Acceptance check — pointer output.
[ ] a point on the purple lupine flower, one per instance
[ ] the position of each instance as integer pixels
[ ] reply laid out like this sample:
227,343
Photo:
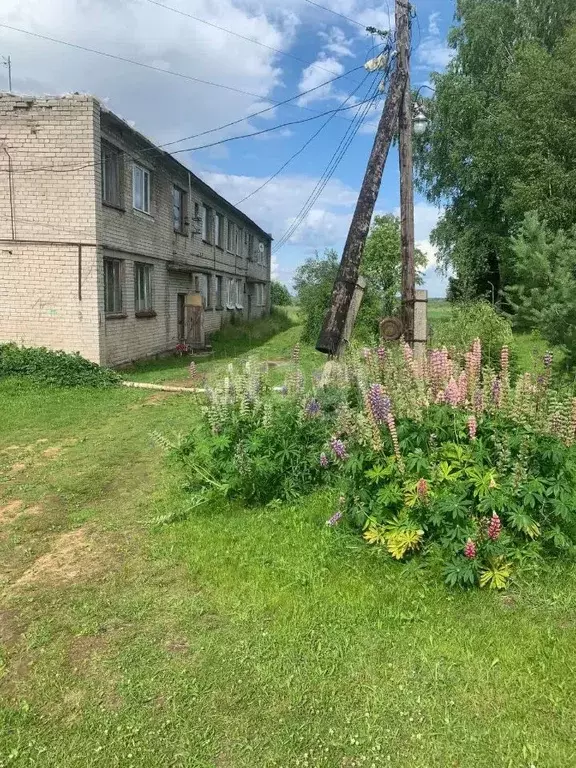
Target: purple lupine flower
381,352
548,359
378,403
335,519
339,449
496,389
312,408
323,460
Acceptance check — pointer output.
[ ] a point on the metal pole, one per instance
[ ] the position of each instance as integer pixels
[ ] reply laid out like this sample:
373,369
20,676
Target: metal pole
10,74
403,37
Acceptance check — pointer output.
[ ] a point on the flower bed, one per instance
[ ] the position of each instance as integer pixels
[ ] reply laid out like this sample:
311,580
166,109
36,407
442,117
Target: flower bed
437,458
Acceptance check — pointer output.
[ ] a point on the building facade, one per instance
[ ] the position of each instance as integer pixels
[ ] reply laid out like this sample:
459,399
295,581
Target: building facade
108,245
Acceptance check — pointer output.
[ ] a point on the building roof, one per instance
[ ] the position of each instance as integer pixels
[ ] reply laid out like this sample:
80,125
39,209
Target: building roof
171,160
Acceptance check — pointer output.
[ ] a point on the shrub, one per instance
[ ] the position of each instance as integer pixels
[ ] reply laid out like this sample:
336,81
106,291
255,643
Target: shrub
55,368
259,330
257,447
436,458
470,320
279,294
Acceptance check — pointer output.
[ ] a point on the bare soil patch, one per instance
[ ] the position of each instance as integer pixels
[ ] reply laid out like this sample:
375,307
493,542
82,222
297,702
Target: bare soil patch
51,452
74,557
11,510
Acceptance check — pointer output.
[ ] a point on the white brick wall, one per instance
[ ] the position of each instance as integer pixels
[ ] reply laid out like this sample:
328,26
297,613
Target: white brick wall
49,196
54,194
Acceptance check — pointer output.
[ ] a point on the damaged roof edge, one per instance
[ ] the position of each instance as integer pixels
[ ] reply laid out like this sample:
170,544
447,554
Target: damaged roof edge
170,159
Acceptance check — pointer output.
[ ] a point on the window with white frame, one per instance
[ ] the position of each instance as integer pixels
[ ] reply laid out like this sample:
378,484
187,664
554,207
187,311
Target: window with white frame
232,293
239,238
178,208
219,230
231,240
140,188
207,223
113,304
111,175
142,287
201,287
260,294
218,292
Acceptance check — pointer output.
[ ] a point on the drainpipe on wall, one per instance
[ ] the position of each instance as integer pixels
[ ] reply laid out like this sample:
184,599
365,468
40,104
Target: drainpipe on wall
11,193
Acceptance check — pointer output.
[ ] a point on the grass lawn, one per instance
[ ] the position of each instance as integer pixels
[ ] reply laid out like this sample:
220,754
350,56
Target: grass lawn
242,638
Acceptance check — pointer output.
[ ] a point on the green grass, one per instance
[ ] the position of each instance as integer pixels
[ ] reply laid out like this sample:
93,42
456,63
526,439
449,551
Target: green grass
243,638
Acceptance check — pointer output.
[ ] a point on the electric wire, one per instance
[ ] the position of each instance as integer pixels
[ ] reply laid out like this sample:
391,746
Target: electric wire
242,37
329,171
336,13
304,146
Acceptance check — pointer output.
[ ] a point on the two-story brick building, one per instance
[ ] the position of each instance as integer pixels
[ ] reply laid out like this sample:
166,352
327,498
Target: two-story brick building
108,245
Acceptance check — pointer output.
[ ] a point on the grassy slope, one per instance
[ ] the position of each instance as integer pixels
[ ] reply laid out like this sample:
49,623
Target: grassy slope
244,638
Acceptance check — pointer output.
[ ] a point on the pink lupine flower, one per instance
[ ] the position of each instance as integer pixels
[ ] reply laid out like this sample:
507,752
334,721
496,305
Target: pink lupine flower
462,386
496,391
422,489
452,393
408,353
395,442
381,352
366,353
494,527
470,550
323,460
504,361
192,370
472,426
339,449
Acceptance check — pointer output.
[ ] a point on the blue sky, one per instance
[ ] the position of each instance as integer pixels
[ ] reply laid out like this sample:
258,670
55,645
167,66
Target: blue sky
167,108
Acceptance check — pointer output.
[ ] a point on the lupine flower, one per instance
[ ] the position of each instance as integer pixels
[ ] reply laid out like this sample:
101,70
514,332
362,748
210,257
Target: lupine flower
462,386
323,460
335,519
494,527
408,353
548,357
470,550
478,400
378,403
339,449
381,352
394,435
296,354
192,370
422,489
504,360
312,408
452,393
496,391
366,353
472,426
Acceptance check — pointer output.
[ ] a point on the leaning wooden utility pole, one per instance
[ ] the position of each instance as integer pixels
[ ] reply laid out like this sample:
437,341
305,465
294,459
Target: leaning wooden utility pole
408,281
335,320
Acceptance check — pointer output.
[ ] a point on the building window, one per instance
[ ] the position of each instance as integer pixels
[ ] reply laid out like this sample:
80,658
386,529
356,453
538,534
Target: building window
231,243
232,298
218,292
249,245
113,286
219,230
142,287
207,223
111,175
239,238
141,189
260,294
178,208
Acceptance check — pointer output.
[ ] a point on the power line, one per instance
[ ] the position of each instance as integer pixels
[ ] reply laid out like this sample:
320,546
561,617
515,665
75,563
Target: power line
303,147
329,171
332,112
242,37
158,69
342,16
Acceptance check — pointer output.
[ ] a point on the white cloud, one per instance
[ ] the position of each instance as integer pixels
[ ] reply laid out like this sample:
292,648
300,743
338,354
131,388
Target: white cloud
163,106
312,77
433,53
433,28
336,42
